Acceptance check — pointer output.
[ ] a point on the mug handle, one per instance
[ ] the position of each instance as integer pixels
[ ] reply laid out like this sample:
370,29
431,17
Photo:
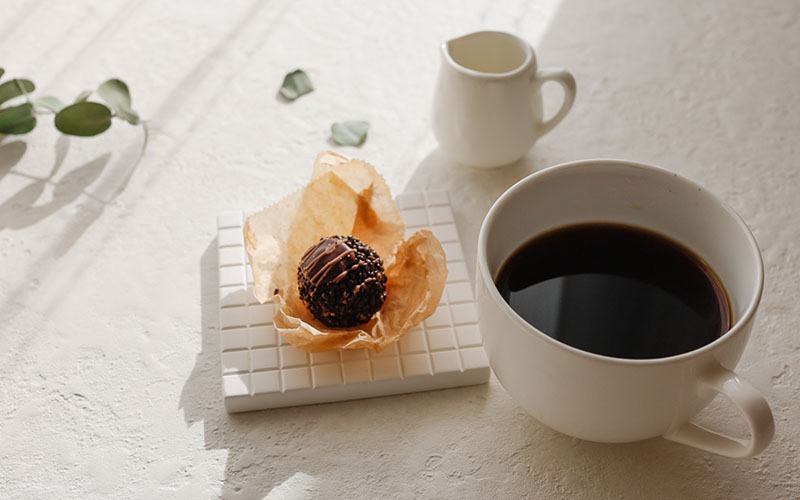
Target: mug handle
752,404
567,81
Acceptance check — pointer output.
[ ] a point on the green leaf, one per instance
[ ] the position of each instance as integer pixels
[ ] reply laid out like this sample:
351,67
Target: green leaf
17,119
295,84
84,119
117,95
83,96
352,133
15,88
48,102
1,72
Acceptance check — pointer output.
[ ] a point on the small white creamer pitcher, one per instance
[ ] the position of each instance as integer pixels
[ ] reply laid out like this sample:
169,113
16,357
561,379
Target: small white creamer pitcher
487,109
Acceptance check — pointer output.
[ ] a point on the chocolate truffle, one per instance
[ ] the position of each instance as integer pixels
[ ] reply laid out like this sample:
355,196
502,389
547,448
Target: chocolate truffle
341,281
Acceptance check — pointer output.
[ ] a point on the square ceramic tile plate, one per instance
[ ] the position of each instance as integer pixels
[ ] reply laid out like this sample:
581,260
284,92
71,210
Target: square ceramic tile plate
261,370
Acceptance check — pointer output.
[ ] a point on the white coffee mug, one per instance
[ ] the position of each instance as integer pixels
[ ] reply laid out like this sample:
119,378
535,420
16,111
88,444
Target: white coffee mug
608,399
487,109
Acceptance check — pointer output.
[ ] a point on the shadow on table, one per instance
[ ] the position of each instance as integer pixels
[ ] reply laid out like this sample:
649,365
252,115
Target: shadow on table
264,447
78,188
23,209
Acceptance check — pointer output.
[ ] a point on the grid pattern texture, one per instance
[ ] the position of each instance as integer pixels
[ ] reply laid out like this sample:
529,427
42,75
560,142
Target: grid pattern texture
261,370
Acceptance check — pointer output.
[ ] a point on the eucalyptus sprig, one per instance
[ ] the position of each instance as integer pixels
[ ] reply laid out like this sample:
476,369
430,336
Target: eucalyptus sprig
82,118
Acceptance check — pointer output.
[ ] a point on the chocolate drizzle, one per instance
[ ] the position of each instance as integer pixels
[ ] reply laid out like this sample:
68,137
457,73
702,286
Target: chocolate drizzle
341,280
329,253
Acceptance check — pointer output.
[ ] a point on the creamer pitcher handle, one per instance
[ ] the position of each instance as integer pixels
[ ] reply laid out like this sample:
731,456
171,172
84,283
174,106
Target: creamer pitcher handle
754,408
567,81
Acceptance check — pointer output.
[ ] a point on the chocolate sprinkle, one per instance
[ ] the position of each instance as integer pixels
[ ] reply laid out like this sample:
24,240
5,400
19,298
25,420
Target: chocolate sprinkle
341,281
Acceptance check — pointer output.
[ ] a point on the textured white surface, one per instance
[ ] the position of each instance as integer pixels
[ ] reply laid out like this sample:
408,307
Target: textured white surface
261,370
109,358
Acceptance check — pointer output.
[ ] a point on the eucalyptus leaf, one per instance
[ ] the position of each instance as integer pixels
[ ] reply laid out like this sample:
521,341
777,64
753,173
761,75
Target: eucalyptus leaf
17,119
115,92
1,72
84,119
350,133
295,84
48,102
83,96
15,88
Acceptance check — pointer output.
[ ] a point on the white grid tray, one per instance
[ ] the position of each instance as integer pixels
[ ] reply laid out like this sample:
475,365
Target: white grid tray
261,370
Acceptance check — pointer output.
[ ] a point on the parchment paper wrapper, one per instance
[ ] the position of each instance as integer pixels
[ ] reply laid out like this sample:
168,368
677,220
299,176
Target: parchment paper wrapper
344,197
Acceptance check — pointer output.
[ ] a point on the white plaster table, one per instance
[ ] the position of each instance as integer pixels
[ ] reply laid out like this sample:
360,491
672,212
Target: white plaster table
109,363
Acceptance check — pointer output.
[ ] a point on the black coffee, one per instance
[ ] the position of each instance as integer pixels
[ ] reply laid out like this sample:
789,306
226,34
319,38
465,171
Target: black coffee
615,290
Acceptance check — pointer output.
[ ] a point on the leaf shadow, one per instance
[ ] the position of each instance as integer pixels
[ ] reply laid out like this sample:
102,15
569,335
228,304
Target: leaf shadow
10,154
21,209
61,150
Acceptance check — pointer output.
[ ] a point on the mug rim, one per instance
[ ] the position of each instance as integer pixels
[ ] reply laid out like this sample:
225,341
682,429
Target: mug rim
494,294
530,57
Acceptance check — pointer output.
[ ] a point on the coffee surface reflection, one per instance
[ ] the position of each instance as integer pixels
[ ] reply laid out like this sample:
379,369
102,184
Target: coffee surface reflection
615,290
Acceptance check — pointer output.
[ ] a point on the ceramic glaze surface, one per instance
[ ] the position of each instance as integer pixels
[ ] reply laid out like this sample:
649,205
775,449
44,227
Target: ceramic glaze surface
487,110
612,399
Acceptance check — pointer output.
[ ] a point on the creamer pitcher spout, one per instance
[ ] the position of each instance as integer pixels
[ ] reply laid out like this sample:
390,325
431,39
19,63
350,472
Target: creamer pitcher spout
489,53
